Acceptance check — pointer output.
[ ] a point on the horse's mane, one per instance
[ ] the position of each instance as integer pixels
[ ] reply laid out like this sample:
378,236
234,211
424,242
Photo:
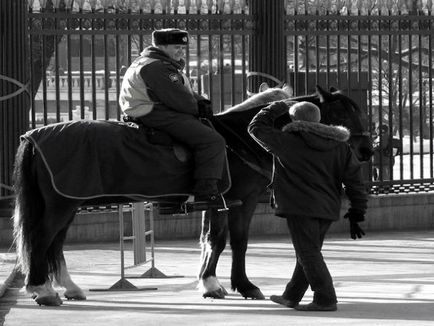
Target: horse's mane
267,96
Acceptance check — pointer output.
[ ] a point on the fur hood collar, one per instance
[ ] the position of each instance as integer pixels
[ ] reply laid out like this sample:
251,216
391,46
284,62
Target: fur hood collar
318,135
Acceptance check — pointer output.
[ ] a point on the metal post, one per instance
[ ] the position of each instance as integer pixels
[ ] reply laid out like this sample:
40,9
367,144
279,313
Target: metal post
268,47
121,239
14,93
123,284
151,230
139,240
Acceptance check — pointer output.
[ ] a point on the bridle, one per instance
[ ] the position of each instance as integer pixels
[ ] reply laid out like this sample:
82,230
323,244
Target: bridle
355,121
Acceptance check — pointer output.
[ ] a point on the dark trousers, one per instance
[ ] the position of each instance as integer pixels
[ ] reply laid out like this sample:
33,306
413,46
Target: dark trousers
208,145
307,238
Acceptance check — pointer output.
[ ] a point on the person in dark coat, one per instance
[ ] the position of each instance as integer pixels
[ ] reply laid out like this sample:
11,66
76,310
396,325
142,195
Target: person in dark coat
383,153
312,162
156,92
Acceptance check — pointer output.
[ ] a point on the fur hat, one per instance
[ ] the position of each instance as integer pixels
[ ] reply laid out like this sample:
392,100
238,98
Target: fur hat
170,36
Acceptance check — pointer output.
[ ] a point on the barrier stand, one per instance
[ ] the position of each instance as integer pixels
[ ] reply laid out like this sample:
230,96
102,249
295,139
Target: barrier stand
138,238
140,234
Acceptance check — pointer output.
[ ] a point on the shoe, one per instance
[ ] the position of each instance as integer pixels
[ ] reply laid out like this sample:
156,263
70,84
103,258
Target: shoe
281,300
316,307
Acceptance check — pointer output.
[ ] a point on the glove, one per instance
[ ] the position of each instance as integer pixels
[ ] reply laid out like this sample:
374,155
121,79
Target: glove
355,216
277,109
356,231
205,109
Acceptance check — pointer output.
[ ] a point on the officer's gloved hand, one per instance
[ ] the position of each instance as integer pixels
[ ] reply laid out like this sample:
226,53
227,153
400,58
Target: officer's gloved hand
355,216
205,109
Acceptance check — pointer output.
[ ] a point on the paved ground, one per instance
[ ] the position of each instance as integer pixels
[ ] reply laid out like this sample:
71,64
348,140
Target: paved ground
383,279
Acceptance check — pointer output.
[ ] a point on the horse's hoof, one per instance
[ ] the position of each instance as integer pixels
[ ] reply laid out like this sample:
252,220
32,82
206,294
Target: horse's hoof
74,295
254,294
49,300
216,294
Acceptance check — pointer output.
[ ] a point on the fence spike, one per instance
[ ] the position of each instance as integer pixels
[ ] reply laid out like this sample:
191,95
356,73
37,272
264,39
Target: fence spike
164,5
328,5
69,3
349,4
174,4
243,4
209,4
389,4
56,4
152,4
80,3
231,5
187,4
92,4
220,5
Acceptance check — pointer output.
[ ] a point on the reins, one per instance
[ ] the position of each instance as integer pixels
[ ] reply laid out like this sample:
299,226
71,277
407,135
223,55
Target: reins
255,167
357,122
251,165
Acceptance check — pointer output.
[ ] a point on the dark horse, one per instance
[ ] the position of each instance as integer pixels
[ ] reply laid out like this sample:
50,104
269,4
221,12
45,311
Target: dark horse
43,214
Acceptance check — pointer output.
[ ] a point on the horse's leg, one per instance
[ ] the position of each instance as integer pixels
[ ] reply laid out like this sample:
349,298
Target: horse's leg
62,277
239,223
213,242
47,240
38,281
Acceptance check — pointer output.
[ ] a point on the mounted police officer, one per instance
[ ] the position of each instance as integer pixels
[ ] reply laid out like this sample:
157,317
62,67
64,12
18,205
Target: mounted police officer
159,95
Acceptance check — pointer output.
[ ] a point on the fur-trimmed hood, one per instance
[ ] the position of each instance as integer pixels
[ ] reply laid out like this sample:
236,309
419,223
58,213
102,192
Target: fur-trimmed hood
317,135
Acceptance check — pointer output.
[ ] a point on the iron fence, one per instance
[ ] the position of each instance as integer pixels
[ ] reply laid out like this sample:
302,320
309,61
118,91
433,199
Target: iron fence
382,57
384,61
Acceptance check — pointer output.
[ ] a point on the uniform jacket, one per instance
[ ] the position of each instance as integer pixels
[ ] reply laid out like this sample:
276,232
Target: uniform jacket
312,162
154,79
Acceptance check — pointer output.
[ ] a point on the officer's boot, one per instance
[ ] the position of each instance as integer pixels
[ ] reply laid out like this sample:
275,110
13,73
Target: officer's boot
206,193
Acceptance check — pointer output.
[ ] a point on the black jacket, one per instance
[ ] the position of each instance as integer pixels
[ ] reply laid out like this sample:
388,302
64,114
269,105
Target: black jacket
312,162
167,84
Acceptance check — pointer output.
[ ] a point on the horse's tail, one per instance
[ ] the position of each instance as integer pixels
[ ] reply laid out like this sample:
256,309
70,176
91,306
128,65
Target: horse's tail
28,203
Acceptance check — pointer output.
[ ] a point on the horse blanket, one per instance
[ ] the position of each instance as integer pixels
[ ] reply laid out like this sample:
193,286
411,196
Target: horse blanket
92,159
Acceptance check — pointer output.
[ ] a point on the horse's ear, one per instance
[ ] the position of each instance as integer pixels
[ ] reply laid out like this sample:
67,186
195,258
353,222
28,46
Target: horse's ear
322,94
333,89
263,87
288,89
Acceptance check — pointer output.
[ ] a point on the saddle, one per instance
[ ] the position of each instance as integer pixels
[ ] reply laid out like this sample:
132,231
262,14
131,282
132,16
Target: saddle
161,138
154,136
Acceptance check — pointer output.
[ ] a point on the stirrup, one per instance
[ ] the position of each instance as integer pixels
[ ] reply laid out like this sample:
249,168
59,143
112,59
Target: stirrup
205,205
225,207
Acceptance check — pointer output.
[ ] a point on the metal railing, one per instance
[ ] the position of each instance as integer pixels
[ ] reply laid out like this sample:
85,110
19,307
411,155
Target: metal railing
382,57
384,60
89,50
